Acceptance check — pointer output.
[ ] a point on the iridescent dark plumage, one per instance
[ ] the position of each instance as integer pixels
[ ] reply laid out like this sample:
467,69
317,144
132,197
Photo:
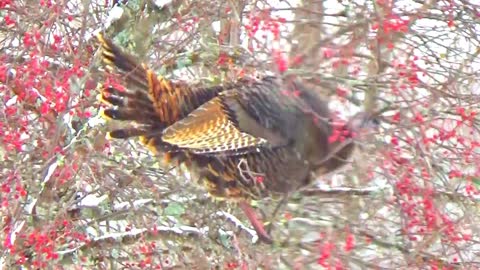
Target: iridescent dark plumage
244,140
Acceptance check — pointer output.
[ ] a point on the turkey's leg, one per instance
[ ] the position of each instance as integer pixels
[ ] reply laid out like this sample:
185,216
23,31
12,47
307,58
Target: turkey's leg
275,212
256,222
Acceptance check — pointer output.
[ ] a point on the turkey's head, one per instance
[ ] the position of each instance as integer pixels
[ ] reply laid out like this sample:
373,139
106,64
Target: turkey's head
363,121
341,145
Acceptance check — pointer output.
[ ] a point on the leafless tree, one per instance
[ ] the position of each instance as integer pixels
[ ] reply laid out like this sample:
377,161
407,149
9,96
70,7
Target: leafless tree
70,199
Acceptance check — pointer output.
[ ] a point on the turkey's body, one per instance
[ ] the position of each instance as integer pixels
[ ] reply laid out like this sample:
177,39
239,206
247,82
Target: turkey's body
247,167
245,140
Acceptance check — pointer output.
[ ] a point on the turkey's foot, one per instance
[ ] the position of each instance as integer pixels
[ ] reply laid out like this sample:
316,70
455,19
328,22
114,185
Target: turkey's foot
256,222
279,206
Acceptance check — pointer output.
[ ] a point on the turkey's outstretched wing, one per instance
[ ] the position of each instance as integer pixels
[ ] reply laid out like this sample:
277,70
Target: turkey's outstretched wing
221,125
228,119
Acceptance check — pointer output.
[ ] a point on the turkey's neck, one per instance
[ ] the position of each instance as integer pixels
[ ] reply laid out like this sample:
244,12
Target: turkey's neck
338,154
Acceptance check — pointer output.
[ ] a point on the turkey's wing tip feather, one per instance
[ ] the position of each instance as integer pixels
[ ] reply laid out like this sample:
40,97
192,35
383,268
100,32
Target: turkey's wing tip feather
111,114
100,37
130,114
126,133
122,115
100,99
150,143
108,136
107,45
112,56
110,100
108,49
104,115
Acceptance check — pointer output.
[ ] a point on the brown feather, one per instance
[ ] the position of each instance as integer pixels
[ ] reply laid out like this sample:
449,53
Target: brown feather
209,129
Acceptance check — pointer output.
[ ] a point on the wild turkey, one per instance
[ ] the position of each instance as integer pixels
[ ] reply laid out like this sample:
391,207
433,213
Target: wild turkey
244,140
